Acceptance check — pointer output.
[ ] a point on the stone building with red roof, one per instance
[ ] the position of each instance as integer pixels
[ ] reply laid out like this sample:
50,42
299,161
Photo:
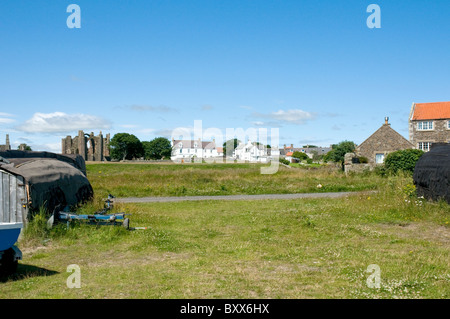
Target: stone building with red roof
429,123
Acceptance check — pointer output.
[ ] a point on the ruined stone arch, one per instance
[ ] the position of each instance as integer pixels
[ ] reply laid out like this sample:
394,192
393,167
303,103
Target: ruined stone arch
90,147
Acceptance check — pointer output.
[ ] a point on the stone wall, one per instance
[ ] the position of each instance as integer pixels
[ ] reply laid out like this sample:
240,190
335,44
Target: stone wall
90,147
350,165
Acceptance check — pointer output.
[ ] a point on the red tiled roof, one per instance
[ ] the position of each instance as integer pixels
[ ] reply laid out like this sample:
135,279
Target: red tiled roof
289,153
431,111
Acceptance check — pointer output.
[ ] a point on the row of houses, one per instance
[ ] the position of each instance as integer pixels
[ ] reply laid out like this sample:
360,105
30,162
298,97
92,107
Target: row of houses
188,150
254,152
429,123
185,150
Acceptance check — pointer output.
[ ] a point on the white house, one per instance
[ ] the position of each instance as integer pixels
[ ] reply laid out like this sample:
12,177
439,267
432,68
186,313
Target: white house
254,152
187,150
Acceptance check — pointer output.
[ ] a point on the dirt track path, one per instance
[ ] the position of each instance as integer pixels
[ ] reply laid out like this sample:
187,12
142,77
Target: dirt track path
233,197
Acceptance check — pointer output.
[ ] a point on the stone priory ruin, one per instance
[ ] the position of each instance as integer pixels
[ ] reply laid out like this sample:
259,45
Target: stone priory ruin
88,146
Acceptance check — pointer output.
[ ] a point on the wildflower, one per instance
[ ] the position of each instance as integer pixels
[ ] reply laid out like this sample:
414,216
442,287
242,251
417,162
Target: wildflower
319,186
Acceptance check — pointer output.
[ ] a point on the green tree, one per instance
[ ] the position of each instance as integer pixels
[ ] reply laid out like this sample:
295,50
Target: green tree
338,152
316,157
300,156
157,148
403,160
231,144
24,147
125,146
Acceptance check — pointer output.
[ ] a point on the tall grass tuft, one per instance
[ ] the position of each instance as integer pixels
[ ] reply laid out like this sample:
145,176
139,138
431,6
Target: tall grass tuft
36,229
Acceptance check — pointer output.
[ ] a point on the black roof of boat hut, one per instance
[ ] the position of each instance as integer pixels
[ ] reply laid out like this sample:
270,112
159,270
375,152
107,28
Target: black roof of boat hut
432,173
51,179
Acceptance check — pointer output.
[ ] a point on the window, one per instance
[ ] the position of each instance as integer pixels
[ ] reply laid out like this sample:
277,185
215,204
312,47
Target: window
379,158
425,125
424,146
448,124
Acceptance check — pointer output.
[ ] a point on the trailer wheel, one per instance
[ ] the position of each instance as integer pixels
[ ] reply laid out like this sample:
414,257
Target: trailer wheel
126,223
8,265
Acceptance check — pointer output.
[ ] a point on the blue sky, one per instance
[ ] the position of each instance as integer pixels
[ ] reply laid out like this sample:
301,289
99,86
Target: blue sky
312,69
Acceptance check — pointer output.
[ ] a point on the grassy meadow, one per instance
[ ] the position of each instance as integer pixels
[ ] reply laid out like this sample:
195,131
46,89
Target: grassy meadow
141,180
291,249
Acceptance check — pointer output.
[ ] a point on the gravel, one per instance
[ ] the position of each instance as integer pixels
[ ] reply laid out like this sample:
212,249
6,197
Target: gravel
231,197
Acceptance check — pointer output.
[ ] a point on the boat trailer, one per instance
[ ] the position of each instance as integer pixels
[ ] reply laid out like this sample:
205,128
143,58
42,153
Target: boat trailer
99,218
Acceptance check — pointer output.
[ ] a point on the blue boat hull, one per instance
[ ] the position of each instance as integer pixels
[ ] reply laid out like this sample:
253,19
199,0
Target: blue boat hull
9,234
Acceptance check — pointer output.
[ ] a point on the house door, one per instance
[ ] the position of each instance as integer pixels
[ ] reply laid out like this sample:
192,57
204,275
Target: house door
379,158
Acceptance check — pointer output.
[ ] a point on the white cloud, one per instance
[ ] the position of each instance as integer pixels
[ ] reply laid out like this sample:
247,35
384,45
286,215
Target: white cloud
295,116
258,123
147,130
163,132
185,133
49,147
5,118
59,122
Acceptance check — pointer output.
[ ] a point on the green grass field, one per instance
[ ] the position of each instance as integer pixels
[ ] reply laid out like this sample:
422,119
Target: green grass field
141,180
293,249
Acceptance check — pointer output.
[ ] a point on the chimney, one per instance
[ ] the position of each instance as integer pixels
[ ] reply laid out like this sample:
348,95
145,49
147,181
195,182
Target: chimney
386,120
292,146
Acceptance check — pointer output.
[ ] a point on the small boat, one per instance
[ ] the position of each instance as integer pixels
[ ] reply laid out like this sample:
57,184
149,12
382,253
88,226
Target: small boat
9,234
12,214
9,253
